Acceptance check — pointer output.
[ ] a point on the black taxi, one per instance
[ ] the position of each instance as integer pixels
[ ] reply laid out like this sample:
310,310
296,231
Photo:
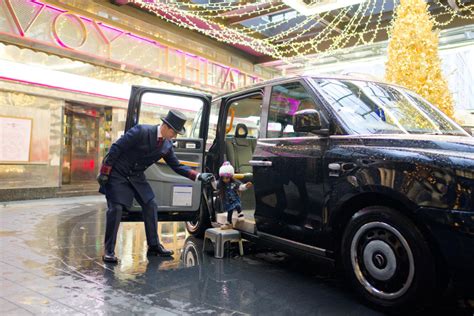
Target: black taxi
362,173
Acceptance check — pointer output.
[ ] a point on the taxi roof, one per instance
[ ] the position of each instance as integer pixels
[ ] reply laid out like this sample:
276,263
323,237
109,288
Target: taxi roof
296,77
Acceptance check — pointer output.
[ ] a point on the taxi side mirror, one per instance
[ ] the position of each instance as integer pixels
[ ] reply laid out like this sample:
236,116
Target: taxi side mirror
307,121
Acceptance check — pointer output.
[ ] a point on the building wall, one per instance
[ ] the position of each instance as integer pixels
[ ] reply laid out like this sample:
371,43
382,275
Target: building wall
43,169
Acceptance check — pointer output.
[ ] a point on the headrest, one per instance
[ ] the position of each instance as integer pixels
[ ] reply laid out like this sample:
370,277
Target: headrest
241,131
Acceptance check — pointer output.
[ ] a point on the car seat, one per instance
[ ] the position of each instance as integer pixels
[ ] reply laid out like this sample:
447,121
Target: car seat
240,148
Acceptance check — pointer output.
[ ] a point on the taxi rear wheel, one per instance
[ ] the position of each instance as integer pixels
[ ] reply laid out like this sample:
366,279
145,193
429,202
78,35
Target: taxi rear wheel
201,222
387,259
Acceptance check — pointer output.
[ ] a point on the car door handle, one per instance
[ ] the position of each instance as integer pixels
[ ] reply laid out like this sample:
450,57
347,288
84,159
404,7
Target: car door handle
348,166
341,167
260,163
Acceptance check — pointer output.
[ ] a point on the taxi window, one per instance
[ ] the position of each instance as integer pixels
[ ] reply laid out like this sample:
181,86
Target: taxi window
245,111
211,133
155,106
285,101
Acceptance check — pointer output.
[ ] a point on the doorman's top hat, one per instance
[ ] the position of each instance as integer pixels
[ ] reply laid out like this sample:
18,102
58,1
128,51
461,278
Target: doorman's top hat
175,120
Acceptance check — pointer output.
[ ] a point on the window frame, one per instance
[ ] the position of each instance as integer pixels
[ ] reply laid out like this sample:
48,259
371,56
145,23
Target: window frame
145,108
325,117
225,106
205,134
229,104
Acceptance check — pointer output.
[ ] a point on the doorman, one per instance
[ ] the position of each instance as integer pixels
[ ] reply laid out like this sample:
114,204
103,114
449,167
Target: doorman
122,177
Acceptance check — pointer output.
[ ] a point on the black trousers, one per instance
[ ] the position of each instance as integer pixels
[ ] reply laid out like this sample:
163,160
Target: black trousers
230,212
114,215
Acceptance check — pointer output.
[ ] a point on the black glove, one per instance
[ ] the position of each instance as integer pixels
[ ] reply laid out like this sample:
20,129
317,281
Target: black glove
206,177
104,172
102,179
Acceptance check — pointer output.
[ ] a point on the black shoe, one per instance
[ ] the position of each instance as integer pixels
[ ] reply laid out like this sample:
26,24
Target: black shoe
109,258
159,251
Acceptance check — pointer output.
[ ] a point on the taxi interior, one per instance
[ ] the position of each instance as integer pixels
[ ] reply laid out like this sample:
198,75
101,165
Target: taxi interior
241,134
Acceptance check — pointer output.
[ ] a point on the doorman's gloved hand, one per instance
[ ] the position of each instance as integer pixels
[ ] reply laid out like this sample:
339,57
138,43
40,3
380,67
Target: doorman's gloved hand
104,173
102,179
206,177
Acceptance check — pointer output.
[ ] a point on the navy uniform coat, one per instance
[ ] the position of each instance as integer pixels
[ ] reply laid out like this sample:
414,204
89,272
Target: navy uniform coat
130,156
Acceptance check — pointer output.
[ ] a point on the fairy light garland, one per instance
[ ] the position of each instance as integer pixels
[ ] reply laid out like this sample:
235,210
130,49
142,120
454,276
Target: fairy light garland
346,34
360,39
210,6
257,29
291,30
462,9
215,13
223,33
272,39
328,30
354,22
321,36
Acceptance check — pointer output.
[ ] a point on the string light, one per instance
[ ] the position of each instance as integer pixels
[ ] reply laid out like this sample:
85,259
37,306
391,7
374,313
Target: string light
205,13
345,33
359,23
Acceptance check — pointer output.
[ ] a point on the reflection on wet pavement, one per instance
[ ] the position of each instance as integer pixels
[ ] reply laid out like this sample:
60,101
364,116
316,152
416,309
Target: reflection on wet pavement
51,263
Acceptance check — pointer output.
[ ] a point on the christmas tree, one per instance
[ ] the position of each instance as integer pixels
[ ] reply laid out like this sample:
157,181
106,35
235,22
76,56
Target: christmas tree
413,59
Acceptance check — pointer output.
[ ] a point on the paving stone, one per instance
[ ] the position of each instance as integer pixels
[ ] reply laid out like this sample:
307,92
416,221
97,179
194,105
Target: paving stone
19,312
6,305
9,288
39,304
91,305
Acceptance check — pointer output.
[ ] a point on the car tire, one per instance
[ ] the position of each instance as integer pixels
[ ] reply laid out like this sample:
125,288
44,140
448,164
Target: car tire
198,226
387,259
192,252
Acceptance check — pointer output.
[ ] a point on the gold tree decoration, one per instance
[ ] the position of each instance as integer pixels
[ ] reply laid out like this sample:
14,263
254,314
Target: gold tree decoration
413,59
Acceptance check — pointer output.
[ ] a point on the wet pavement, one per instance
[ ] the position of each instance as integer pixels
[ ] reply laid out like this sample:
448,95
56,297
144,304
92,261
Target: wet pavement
50,264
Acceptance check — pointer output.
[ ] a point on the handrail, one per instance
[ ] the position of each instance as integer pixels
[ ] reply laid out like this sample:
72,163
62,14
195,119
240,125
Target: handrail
183,162
231,124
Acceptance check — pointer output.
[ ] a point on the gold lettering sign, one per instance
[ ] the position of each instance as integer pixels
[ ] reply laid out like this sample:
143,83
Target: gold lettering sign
59,36
72,31
16,20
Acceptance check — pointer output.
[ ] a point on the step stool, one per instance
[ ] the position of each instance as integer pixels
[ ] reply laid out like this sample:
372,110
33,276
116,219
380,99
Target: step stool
219,237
